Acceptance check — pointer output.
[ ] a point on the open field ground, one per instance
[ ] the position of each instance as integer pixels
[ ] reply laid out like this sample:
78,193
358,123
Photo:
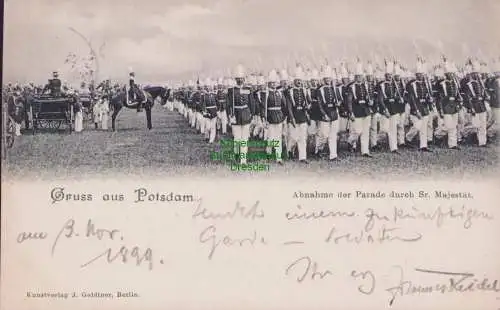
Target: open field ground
172,148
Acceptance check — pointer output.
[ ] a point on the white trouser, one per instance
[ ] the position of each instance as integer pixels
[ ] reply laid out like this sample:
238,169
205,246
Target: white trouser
360,128
451,124
241,133
222,116
374,122
298,136
420,126
327,131
78,121
274,135
479,122
17,128
396,130
430,125
312,130
441,131
210,129
257,127
343,124
192,118
200,122
496,118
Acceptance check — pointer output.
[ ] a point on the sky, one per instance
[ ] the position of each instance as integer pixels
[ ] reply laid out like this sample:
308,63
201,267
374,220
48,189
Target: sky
166,40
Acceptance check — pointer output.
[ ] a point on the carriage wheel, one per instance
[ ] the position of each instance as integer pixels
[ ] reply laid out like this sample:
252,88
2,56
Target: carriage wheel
10,134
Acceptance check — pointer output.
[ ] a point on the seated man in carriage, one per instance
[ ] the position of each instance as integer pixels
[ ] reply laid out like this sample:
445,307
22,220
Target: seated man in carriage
54,85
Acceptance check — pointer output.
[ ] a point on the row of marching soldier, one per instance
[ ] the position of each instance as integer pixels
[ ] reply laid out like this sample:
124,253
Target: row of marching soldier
319,106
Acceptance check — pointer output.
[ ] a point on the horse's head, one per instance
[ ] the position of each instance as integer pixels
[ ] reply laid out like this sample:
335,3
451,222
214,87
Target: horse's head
165,95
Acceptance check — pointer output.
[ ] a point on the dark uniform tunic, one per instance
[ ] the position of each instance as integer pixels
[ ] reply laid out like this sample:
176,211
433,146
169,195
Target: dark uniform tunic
297,105
196,101
255,102
221,100
357,100
493,87
209,104
238,104
475,96
448,97
315,110
273,103
390,97
328,102
372,95
343,90
418,97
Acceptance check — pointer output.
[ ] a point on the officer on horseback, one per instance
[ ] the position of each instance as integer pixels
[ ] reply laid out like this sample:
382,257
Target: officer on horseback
135,94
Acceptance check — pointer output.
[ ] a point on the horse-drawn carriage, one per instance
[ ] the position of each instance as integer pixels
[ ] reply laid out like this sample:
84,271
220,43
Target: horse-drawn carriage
48,112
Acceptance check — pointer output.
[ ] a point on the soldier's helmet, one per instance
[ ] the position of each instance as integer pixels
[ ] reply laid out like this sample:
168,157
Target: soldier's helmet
326,72
358,69
420,67
369,69
299,73
239,72
55,74
284,75
344,74
476,67
252,80
273,77
314,75
261,80
449,67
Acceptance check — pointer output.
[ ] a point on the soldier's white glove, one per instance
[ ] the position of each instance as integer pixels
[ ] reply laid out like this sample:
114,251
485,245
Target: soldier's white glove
232,119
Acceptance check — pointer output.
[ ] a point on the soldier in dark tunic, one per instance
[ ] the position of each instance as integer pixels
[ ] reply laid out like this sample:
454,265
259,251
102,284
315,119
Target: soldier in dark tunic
328,119
343,91
448,103
378,109
239,114
390,96
298,118
196,104
209,109
283,88
273,118
359,107
420,100
475,97
222,104
314,109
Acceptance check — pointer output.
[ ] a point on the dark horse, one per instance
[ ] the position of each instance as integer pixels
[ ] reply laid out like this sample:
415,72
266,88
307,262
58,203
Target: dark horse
119,100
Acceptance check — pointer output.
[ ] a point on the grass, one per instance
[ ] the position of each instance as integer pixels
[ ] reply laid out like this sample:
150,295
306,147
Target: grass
172,148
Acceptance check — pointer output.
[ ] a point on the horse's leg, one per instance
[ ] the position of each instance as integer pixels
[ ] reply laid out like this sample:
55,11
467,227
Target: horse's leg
116,109
148,117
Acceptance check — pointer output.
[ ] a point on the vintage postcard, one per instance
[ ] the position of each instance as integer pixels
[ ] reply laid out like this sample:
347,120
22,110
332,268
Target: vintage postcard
250,154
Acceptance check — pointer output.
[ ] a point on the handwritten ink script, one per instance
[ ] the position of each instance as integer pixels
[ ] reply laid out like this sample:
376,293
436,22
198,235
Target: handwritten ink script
363,248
